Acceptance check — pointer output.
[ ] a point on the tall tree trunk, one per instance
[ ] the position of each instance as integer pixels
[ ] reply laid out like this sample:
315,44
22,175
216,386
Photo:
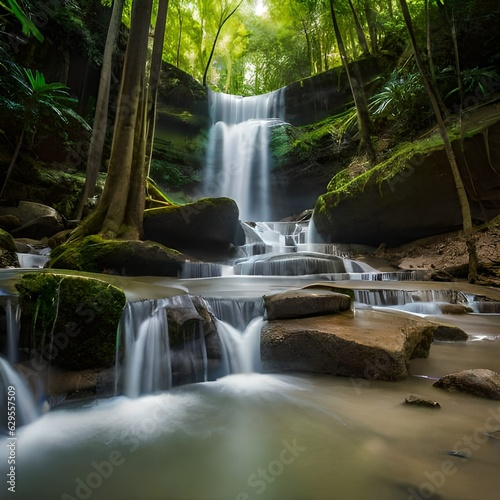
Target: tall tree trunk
372,25
428,38
357,90
181,20
459,185
94,158
154,76
111,217
134,215
308,45
359,31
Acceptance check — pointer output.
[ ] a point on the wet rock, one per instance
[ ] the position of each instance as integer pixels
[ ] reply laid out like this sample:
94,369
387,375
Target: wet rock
36,220
7,242
415,399
9,222
450,334
305,302
370,345
207,227
188,315
8,256
40,227
479,382
455,309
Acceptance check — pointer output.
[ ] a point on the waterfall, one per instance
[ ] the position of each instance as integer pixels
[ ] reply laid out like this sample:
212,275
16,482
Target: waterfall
25,406
238,155
241,350
143,336
401,297
12,320
238,312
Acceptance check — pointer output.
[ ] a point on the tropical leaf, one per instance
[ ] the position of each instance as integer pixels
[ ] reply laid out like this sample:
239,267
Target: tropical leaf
28,26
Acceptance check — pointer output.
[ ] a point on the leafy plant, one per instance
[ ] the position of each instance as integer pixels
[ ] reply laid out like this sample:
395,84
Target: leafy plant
28,27
477,80
32,98
401,100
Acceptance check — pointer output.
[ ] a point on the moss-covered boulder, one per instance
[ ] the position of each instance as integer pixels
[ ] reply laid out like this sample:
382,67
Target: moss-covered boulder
69,322
412,194
122,257
206,228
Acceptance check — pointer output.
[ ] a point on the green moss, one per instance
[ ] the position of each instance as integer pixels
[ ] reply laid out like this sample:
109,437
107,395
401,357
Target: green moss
6,241
69,322
82,255
350,182
96,254
405,155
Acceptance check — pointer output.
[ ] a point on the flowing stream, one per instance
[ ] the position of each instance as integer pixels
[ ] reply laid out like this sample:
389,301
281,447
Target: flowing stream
181,428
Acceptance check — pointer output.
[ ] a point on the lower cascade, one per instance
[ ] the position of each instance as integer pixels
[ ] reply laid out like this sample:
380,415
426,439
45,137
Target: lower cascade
228,379
18,406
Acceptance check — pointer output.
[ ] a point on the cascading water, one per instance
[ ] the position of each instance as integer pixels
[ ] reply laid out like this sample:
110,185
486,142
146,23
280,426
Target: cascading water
241,350
12,319
146,366
24,403
238,312
238,156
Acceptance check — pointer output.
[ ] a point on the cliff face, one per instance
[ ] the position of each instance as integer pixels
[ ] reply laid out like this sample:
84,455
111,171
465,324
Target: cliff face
420,200
312,99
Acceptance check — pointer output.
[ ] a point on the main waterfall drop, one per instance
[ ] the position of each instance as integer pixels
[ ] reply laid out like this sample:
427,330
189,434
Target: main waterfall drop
238,160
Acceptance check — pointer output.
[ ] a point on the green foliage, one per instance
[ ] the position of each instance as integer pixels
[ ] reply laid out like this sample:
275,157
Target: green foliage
281,144
28,27
476,81
172,174
353,180
33,98
403,101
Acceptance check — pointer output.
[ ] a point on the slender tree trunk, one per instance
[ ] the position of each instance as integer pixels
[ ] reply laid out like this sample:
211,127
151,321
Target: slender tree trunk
308,45
12,163
428,38
94,158
111,218
459,185
357,90
223,19
154,77
359,31
372,26
181,20
134,215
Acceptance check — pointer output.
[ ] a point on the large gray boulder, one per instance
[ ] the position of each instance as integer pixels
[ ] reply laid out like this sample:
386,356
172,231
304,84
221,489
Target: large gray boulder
479,382
305,302
370,345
